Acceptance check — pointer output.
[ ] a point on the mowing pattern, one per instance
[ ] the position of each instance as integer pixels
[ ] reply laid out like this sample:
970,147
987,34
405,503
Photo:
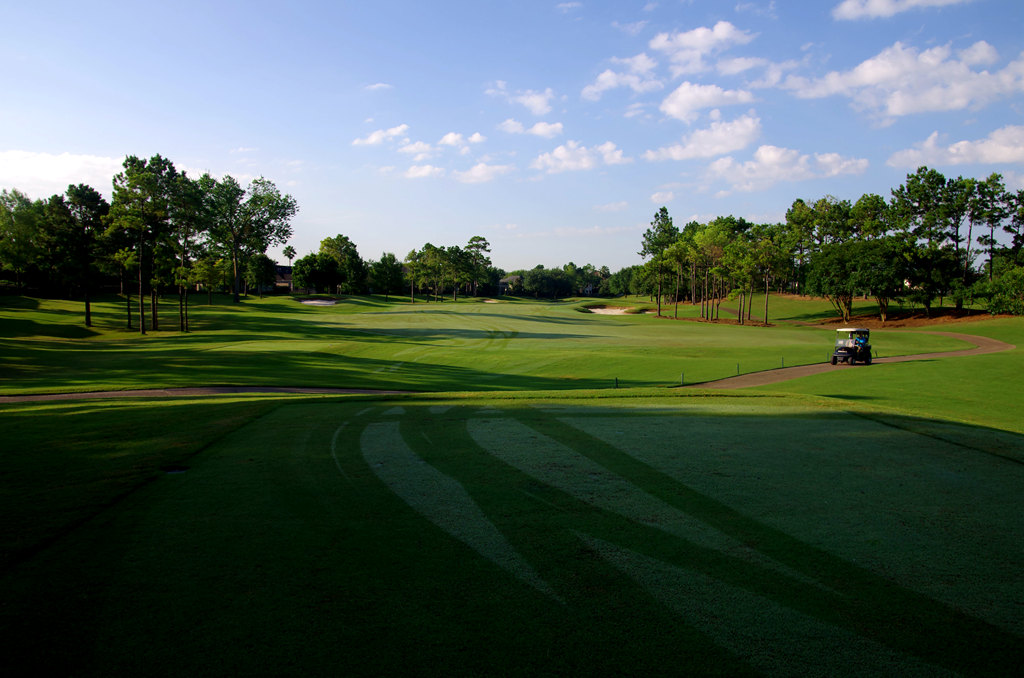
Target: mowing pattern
534,537
802,589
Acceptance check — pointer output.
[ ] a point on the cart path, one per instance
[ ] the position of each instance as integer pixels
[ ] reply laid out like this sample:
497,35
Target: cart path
187,391
981,345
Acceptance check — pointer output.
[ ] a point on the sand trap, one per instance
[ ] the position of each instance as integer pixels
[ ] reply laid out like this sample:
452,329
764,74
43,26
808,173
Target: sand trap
490,301
610,310
319,302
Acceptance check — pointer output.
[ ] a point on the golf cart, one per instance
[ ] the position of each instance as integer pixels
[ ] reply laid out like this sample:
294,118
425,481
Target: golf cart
852,346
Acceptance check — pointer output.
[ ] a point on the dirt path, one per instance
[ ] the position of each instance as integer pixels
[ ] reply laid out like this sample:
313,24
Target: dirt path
186,391
981,345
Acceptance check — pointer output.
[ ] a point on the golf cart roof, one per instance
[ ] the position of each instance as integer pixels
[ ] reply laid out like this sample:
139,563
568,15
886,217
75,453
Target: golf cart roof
854,329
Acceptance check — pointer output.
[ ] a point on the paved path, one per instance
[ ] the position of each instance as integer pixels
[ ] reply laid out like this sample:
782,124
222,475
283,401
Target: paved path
981,345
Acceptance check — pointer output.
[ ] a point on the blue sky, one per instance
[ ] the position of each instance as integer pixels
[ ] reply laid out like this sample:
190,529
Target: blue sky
554,129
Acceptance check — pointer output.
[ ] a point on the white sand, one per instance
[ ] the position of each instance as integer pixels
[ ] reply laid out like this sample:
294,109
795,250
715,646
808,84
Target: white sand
319,302
610,310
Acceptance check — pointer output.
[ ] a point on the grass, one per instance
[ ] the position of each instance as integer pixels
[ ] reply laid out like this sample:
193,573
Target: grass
362,343
552,535
860,522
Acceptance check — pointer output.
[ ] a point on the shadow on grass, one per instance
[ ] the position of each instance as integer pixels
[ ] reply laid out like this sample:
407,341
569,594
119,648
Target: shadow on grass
281,531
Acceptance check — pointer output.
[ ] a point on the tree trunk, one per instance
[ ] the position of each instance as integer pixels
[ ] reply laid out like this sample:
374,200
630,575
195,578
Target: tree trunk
128,301
679,274
234,269
766,300
142,301
153,303
88,308
659,294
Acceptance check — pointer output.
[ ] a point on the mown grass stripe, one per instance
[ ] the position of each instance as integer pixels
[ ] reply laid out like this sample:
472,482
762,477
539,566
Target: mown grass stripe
756,628
441,500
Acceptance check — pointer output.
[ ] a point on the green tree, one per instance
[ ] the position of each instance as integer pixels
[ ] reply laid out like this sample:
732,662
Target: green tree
991,207
918,205
88,210
657,239
350,268
477,249
386,274
260,272
832,273
141,208
250,221
20,219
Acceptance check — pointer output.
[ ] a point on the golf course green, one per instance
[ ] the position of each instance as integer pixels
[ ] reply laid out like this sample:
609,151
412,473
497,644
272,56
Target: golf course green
541,499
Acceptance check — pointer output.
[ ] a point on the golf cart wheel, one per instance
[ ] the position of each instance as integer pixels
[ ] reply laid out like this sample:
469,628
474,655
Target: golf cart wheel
834,361
853,361
867,361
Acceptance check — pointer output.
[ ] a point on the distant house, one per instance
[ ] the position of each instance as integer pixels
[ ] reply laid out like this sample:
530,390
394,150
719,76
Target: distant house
283,278
510,284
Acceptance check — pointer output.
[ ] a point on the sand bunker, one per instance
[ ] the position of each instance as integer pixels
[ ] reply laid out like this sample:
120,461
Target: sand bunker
319,302
609,310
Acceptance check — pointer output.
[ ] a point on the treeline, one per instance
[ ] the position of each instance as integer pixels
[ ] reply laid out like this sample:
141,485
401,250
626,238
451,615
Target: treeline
162,230
431,270
933,240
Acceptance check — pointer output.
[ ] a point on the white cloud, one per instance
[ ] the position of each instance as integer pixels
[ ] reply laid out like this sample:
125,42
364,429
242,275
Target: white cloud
538,103
548,130
423,172
477,138
874,9
243,149
718,139
380,136
689,98
755,8
612,206
512,127
630,29
451,139
481,173
901,80
566,7
571,156
662,197
40,175
1004,145
638,77
420,149
378,86
688,50
772,164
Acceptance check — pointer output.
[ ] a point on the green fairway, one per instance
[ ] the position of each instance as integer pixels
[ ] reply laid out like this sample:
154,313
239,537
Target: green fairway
729,535
520,515
418,347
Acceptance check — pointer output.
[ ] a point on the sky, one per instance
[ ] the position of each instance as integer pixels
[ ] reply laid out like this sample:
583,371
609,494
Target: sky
555,130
